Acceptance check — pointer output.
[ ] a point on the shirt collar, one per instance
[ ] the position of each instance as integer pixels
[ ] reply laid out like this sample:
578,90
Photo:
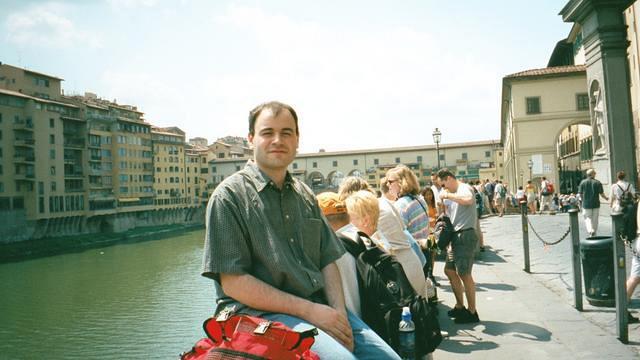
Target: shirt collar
260,179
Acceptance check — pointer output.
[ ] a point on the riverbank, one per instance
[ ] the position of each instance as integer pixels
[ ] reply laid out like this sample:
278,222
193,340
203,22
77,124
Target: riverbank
32,249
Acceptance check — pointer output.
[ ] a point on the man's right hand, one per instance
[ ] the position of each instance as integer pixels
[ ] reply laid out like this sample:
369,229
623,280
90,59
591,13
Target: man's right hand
333,322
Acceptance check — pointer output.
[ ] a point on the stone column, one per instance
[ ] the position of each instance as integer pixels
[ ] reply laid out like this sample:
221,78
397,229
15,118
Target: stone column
604,35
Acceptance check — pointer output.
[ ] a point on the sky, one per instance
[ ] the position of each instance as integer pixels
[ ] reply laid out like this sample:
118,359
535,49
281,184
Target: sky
360,74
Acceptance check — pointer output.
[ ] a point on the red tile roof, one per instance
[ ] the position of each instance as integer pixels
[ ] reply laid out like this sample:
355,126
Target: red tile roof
557,70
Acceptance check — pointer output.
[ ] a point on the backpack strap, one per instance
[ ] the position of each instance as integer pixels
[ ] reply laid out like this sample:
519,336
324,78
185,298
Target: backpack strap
355,248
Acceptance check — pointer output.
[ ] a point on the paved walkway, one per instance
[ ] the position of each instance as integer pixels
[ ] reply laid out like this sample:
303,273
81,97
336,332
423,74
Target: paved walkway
530,316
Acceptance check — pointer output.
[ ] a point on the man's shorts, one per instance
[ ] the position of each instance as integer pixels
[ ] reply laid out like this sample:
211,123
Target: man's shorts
462,251
635,262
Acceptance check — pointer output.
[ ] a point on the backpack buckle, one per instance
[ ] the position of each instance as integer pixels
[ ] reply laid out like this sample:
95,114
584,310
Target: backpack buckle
262,327
226,313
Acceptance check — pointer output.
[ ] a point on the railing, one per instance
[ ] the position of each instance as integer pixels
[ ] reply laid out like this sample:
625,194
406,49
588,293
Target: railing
23,125
78,143
24,158
24,142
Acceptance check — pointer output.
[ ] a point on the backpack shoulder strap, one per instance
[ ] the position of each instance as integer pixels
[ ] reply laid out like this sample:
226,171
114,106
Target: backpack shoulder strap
355,248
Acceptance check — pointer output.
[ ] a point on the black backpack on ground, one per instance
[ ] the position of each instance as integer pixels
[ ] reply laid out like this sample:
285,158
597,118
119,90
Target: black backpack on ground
384,291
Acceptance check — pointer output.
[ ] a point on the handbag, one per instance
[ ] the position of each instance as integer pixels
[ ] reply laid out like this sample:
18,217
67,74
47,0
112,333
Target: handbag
231,337
443,231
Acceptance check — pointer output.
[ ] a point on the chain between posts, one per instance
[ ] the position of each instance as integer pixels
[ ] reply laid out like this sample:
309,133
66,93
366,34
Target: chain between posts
547,243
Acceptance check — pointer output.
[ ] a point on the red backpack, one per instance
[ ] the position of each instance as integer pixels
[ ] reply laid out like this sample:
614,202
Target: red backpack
246,337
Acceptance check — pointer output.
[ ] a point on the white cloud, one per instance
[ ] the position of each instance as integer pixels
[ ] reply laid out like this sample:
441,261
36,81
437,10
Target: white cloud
358,89
131,4
45,25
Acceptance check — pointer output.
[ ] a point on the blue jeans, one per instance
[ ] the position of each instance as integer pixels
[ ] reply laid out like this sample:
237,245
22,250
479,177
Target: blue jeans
368,345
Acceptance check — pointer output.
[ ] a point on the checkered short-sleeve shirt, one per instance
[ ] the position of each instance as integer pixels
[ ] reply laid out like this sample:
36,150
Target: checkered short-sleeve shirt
277,235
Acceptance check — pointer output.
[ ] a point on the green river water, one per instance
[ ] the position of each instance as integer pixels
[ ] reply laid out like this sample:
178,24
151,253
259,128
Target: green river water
142,300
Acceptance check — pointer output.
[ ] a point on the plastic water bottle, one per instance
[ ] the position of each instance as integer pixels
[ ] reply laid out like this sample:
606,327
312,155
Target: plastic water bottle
407,336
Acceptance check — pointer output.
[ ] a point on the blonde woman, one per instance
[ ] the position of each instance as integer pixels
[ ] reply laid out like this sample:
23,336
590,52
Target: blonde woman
364,212
390,221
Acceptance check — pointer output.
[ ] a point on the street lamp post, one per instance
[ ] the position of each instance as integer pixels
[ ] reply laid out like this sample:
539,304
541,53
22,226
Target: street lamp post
437,135
530,165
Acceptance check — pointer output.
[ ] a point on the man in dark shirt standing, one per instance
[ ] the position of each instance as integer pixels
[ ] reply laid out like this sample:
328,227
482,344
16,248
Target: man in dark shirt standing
272,253
590,191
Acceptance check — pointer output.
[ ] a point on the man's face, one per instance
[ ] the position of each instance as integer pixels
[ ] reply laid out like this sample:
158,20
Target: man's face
275,140
435,180
449,183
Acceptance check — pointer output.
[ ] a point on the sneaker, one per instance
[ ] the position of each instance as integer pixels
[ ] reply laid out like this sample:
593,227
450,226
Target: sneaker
481,248
467,318
455,312
632,319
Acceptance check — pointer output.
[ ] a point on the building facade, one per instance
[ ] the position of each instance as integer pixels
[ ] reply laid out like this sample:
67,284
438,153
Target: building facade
538,105
324,171
81,164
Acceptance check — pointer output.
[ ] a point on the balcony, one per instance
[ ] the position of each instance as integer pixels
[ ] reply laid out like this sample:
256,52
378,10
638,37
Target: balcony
76,173
74,143
25,159
24,177
24,142
23,125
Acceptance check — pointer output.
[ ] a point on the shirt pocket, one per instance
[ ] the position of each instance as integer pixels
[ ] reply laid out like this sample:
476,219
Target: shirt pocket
311,239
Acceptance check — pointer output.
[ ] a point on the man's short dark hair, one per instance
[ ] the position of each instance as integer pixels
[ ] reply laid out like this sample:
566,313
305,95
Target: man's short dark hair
445,173
276,108
621,175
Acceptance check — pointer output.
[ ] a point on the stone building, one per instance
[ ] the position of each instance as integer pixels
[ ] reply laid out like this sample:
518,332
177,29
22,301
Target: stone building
325,170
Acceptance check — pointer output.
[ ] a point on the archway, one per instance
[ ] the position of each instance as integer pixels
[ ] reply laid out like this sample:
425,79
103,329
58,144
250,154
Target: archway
356,173
334,179
315,180
574,151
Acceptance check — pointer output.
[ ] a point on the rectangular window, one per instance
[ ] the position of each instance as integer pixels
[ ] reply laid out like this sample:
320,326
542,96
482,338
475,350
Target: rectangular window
464,156
335,163
53,170
18,202
315,164
419,159
52,139
533,105
1,187
487,154
355,162
214,169
441,157
53,186
52,123
582,102
295,166
376,162
40,188
397,160
52,154
41,205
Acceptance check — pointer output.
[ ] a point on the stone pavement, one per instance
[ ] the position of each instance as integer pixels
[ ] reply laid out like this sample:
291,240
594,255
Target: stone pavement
531,316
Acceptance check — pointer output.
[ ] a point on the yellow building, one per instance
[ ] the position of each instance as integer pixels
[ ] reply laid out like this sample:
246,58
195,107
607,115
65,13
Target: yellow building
537,105
42,154
169,162
199,182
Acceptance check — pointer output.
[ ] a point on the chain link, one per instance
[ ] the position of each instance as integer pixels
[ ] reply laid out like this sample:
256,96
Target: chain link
547,243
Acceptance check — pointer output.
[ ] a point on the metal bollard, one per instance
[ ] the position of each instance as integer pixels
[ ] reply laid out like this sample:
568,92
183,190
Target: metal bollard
620,276
575,255
525,236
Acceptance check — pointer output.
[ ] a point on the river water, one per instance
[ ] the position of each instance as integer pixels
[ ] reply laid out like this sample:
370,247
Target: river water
142,300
